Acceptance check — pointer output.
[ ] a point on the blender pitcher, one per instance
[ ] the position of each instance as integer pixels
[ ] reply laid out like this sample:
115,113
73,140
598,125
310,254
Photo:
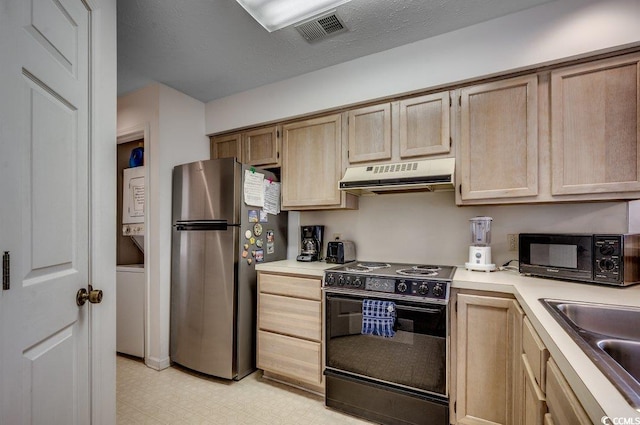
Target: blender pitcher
480,251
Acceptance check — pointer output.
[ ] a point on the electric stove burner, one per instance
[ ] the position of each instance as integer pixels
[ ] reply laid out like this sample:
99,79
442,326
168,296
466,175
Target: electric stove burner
428,267
374,266
358,268
417,272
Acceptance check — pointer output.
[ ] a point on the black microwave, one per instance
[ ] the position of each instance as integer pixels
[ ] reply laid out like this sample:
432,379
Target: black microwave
603,259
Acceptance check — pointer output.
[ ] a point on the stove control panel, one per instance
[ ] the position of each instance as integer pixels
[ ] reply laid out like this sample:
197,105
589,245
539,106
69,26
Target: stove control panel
426,288
422,288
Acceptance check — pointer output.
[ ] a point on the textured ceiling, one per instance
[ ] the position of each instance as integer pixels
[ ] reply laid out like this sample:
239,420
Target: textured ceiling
209,49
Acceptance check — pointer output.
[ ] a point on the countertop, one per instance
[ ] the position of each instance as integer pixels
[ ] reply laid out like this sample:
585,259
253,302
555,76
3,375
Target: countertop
596,393
313,268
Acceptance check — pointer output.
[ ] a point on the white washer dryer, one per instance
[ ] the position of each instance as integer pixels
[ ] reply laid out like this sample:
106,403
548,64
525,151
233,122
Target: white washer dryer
130,309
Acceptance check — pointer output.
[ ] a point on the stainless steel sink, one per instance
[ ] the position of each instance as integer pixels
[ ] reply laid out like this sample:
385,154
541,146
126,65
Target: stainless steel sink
609,335
613,321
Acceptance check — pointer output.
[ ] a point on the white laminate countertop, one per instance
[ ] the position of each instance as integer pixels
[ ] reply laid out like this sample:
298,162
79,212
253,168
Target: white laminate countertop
596,393
312,268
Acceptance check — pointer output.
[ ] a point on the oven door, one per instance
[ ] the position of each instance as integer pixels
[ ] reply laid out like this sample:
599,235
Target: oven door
414,358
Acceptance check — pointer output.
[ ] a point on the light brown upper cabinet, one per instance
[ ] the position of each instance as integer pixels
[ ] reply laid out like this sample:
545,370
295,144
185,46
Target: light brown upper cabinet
370,133
227,146
498,140
312,165
595,127
261,147
410,128
424,125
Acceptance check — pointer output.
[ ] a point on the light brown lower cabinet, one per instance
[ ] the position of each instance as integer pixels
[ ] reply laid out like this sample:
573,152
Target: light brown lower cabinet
487,357
501,370
289,335
534,406
564,407
534,362
292,357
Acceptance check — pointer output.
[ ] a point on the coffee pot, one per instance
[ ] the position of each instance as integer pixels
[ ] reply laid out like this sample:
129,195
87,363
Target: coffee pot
311,244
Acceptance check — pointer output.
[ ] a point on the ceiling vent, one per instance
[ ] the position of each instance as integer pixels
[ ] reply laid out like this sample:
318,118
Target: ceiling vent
321,27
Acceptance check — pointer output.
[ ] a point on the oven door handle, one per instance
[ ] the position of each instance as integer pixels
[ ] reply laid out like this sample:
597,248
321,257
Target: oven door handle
418,309
428,310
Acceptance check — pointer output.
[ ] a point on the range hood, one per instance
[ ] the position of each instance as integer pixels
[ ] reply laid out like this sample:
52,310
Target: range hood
425,175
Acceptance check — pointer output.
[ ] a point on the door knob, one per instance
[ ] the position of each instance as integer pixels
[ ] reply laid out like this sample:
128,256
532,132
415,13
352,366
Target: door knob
94,296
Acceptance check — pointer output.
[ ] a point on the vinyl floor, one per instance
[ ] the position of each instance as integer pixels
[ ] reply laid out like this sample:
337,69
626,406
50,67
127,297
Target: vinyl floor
179,396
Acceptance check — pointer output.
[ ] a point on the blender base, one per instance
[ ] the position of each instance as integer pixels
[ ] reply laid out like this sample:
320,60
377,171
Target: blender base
480,267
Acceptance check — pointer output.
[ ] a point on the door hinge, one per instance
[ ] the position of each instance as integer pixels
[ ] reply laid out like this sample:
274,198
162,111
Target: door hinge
455,405
455,306
450,141
6,271
460,101
277,134
450,102
277,155
460,189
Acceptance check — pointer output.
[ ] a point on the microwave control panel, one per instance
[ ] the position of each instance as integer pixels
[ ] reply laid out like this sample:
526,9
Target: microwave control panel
607,258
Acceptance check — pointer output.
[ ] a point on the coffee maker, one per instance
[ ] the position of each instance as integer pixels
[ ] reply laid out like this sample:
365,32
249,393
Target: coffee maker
311,243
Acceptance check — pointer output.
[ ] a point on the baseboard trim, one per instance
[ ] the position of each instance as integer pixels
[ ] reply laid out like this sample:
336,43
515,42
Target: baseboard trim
157,364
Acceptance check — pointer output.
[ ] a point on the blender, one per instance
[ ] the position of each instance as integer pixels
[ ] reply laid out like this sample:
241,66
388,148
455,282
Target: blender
480,251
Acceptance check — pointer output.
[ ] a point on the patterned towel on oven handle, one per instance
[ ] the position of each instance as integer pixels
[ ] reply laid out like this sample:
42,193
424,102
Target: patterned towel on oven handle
378,317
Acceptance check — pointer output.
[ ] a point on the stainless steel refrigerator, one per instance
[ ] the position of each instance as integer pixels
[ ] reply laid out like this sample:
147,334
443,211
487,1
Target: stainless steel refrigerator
217,241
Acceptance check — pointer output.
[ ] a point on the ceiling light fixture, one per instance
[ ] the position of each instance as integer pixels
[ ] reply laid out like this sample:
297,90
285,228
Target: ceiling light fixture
276,14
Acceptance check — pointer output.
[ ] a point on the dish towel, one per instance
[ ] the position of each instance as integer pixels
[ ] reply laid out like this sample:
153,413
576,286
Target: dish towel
378,317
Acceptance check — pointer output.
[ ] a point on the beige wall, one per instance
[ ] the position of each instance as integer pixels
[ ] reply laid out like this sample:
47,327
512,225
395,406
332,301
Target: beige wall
428,227
174,134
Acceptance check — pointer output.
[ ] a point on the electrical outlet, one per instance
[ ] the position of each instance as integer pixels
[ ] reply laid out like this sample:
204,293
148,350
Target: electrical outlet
512,241
337,236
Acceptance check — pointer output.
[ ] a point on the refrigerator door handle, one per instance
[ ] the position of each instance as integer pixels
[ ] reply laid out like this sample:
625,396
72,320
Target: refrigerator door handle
189,225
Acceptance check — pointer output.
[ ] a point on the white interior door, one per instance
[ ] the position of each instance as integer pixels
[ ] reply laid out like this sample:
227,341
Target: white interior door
44,175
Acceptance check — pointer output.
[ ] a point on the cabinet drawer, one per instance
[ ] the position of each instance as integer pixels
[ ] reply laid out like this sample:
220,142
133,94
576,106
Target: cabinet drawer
562,402
290,316
537,354
535,405
291,286
292,357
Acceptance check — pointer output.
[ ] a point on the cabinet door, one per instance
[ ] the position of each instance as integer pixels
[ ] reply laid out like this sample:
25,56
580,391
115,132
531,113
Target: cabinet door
291,357
488,344
534,405
370,133
595,127
424,125
563,404
499,139
226,146
290,316
537,354
261,147
290,286
312,163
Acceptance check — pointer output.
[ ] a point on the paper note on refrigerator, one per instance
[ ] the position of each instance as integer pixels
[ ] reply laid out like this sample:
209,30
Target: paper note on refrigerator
271,197
253,188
